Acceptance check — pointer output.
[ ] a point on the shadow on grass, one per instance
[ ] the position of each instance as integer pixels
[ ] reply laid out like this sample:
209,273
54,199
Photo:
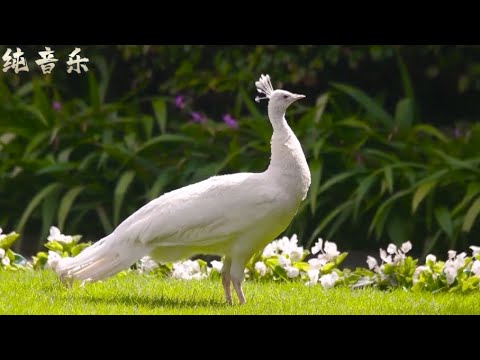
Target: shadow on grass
153,302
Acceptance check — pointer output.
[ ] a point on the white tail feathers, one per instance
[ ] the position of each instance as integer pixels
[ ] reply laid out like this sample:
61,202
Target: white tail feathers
264,86
97,262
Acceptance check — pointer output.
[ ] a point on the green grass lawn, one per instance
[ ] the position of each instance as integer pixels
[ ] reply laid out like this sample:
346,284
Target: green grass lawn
41,293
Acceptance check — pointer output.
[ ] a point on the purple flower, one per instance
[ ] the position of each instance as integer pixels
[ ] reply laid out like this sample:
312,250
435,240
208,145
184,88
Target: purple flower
56,105
457,133
197,117
230,121
179,101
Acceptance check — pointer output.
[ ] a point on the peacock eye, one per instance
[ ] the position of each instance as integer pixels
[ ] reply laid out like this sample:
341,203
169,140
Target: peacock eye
285,96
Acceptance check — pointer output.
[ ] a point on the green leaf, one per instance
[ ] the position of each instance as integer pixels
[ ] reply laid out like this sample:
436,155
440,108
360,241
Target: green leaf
354,123
77,249
35,112
25,89
49,208
398,229
54,246
320,106
444,220
102,214
8,240
456,163
166,138
329,218
337,179
327,268
87,160
430,130
473,189
251,106
389,178
160,111
406,80
339,259
55,168
471,215
367,102
37,199
147,123
361,191
420,194
382,155
66,204
37,141
119,193
93,91
404,114
430,243
316,172
381,214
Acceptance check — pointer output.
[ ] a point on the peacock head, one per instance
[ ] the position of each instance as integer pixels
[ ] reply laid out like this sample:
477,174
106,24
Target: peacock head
279,100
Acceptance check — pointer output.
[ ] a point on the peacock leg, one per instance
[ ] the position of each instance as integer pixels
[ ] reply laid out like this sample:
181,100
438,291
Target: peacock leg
237,274
226,281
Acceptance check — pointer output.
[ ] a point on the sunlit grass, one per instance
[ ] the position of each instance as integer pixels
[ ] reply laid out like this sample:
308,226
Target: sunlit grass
41,293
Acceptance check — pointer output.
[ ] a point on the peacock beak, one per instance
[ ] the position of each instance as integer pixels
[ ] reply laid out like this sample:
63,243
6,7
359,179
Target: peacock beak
298,96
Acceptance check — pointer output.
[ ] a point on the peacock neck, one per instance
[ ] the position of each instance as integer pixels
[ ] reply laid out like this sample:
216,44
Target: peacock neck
288,161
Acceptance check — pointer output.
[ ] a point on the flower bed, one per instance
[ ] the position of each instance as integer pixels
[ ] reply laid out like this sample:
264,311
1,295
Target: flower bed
285,260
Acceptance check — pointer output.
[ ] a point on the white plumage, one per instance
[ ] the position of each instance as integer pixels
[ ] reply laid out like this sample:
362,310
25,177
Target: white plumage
232,215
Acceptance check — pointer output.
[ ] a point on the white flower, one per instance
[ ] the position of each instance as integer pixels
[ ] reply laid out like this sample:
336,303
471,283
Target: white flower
451,274
294,240
296,253
194,266
292,272
2,253
198,276
270,250
261,268
331,250
6,261
318,246
475,249
372,262
56,235
147,264
399,257
316,264
2,236
179,273
283,261
460,260
284,245
217,266
187,270
431,258
328,281
406,247
418,271
53,259
391,249
476,268
312,276
384,257
451,254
